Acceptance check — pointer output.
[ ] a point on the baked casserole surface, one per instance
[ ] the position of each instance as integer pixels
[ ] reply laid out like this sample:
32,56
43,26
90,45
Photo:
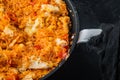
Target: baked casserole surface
34,37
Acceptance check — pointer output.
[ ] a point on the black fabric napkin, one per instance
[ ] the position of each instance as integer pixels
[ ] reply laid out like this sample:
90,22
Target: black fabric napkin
104,14
106,46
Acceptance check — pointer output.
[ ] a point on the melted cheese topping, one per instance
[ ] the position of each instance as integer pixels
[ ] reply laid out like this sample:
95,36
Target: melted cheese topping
58,1
37,63
49,8
30,28
61,43
8,31
33,37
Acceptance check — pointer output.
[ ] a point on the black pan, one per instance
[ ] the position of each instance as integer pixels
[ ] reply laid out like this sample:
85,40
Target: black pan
73,31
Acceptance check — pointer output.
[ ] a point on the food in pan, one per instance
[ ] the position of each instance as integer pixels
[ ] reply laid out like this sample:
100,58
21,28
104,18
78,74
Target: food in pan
34,37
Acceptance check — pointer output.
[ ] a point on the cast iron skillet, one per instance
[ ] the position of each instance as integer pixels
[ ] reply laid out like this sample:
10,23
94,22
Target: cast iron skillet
74,30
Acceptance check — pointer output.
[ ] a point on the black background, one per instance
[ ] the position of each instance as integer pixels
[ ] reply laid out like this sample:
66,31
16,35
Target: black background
82,64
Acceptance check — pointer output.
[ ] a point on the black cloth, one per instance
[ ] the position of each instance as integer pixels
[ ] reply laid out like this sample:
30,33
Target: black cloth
98,59
107,46
106,14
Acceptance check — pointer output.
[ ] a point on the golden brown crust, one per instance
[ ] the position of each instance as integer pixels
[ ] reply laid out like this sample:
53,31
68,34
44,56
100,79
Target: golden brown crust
33,37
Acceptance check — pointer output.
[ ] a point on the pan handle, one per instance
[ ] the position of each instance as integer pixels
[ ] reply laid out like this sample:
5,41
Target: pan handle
86,34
